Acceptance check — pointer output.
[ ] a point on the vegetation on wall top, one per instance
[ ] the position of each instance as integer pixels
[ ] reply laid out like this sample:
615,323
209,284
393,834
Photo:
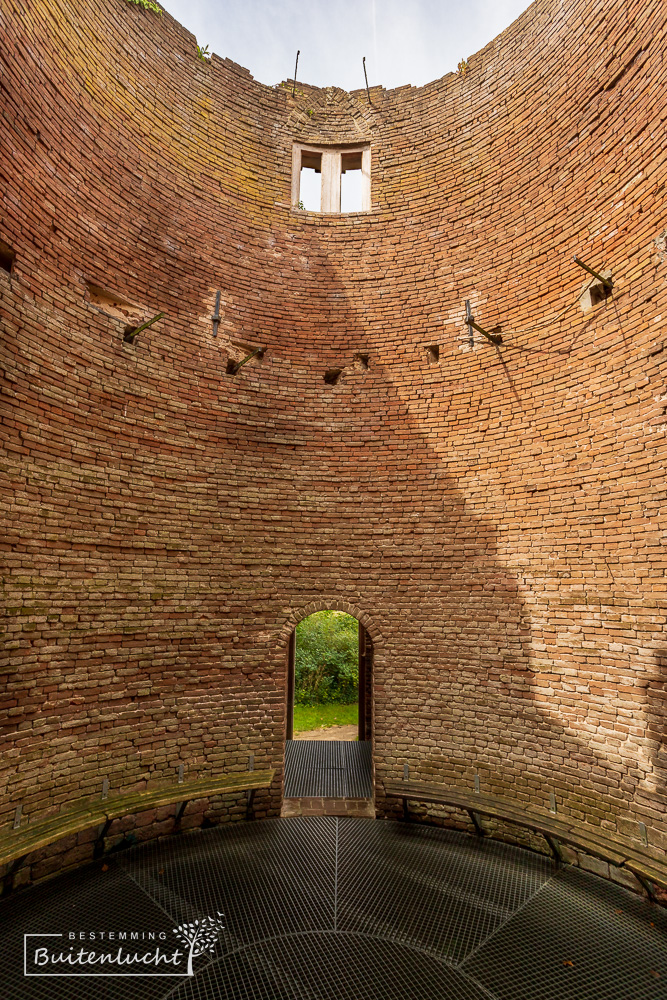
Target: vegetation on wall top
148,5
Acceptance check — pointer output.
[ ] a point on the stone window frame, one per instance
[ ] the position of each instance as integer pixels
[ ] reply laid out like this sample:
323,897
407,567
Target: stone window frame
332,167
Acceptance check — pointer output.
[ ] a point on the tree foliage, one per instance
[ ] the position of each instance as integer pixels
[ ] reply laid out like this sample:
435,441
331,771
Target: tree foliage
327,659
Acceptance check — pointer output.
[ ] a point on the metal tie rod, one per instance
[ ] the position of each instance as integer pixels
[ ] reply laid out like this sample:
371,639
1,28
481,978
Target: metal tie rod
144,326
366,76
495,338
605,281
298,53
216,315
259,351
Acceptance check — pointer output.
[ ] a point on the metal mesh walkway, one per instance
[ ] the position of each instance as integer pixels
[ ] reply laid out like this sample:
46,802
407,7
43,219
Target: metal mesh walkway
334,769
324,908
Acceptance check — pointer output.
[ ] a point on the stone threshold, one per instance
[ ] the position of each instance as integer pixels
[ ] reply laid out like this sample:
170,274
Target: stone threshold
309,806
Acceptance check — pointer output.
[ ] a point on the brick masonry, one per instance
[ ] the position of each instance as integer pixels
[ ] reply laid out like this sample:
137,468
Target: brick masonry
495,517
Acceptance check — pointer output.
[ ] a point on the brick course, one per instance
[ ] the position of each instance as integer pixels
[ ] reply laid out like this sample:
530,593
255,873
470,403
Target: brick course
496,518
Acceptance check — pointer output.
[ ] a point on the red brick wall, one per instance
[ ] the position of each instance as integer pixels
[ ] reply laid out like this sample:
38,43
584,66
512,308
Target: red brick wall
494,518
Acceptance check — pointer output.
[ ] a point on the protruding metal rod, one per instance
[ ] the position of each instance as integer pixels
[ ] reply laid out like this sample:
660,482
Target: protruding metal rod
216,315
495,338
605,281
366,76
259,350
144,326
298,53
471,339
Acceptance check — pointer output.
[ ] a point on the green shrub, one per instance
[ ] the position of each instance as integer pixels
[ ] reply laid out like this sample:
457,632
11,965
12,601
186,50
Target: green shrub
327,659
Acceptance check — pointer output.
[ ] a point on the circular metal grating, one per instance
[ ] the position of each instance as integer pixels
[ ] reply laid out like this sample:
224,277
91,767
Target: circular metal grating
327,908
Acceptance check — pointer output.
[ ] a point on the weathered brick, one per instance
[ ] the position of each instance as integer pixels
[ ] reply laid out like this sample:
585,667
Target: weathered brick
494,518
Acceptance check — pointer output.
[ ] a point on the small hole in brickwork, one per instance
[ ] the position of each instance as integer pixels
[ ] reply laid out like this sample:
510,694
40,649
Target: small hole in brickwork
332,376
128,334
433,354
362,361
595,292
7,257
252,356
599,293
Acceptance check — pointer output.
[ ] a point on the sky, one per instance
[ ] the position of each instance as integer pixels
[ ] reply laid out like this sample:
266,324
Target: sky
404,41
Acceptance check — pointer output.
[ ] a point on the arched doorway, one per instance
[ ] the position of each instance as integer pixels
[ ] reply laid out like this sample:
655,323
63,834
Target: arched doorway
364,664
322,771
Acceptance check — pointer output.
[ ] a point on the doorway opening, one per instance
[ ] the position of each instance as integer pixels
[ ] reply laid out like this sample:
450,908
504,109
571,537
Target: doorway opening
328,760
329,678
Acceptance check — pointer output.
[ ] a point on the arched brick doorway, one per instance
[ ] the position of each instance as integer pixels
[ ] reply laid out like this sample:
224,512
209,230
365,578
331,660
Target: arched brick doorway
355,788
365,681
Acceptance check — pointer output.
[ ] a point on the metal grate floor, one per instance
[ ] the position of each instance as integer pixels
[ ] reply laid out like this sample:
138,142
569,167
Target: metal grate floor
331,769
327,908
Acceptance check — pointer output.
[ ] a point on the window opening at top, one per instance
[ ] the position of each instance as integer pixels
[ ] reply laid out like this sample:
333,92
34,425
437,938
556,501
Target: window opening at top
331,179
351,196
310,189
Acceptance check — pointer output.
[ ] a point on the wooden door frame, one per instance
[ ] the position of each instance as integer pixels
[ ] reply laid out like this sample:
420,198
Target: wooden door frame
365,683
362,684
291,648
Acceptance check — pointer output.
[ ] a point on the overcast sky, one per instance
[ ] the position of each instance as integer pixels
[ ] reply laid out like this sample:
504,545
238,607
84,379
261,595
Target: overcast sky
404,41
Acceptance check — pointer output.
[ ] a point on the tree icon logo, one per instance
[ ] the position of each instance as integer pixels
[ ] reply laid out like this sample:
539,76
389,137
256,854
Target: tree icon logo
200,936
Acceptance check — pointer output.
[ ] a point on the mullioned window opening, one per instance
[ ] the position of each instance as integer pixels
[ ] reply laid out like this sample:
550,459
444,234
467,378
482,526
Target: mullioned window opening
332,180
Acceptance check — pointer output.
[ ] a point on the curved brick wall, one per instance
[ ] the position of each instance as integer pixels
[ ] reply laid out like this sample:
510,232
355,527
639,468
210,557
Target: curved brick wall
494,517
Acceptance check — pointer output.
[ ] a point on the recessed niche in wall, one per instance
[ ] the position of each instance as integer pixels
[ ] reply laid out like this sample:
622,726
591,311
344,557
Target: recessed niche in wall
248,354
332,376
361,362
595,292
115,305
7,257
433,354
599,293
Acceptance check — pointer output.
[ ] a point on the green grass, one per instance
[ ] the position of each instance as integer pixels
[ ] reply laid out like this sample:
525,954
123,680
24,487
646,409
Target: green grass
308,717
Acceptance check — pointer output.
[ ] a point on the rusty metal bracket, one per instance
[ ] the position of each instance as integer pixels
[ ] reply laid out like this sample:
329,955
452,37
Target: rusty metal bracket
216,315
607,282
368,93
129,337
259,351
495,338
298,52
